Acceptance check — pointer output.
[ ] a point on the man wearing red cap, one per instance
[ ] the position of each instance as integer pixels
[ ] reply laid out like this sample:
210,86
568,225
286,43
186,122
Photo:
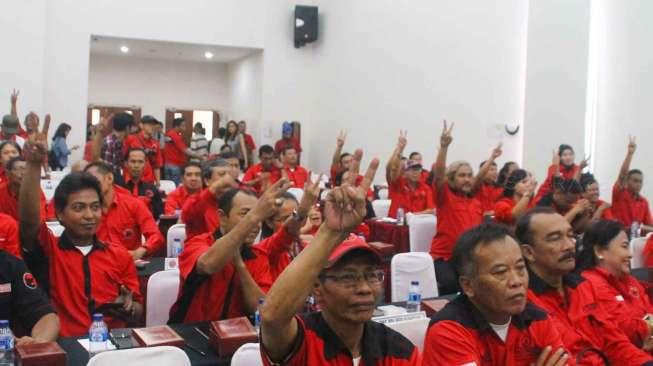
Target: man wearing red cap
343,273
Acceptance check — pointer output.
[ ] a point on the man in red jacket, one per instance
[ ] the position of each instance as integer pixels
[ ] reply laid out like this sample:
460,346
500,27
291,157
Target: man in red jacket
628,204
191,184
587,330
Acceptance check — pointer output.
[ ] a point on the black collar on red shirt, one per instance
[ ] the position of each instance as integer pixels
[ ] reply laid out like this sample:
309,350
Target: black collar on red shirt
66,243
246,251
463,311
538,285
378,341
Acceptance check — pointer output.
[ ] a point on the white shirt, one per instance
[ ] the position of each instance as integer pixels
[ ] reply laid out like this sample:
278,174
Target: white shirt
501,329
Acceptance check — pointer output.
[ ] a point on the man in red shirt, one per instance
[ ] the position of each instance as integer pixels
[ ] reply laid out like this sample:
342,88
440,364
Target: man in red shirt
176,152
492,323
599,209
343,273
406,188
84,273
147,192
566,200
628,205
416,156
262,175
340,162
124,218
295,173
456,197
9,190
234,163
221,277
587,330
145,140
287,139
249,142
191,184
489,192
200,212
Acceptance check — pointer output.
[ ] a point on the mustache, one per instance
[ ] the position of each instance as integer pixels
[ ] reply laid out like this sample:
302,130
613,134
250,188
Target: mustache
568,255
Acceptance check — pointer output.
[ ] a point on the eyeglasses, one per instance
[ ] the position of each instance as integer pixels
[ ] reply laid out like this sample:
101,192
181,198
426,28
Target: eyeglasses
351,279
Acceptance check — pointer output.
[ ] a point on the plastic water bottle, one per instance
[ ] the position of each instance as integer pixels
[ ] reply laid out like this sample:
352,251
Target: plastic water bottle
401,217
634,230
98,334
176,247
414,297
257,316
6,344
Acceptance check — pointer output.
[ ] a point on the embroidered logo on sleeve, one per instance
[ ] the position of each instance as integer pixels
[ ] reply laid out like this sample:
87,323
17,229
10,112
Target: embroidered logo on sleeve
29,281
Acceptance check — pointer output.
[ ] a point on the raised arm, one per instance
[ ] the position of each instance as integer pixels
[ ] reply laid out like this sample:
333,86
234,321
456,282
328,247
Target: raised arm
583,164
14,101
625,166
440,165
340,142
523,204
344,211
393,168
478,180
222,251
29,197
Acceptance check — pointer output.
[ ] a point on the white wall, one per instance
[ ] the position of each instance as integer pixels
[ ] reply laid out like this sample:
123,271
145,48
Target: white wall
155,85
245,87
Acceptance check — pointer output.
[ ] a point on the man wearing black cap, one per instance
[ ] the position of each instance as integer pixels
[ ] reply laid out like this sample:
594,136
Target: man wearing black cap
343,273
406,187
145,140
10,126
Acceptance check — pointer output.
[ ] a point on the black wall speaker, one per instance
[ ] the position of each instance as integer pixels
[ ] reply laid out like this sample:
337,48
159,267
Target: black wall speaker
305,25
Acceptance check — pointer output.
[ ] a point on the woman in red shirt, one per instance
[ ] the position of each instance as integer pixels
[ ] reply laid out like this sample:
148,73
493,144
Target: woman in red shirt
562,165
605,263
517,197
599,209
8,151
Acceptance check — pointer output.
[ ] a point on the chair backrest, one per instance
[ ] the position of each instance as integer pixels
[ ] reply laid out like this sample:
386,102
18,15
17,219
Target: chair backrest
637,251
249,354
159,356
167,186
414,330
381,207
421,230
175,231
162,291
413,266
383,194
56,228
297,192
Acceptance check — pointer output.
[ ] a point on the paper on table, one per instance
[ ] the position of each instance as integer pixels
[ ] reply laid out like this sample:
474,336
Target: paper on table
84,343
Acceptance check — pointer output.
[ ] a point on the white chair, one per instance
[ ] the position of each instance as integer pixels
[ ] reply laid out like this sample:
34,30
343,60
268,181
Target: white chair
383,194
56,228
421,230
48,186
381,207
637,251
297,192
249,354
159,356
175,231
414,330
413,266
162,292
167,186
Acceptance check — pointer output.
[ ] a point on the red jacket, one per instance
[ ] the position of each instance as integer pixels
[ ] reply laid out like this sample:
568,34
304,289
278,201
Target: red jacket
176,199
587,330
628,208
200,214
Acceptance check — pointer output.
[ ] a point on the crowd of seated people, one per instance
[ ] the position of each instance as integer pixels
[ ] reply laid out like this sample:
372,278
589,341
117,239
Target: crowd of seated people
534,275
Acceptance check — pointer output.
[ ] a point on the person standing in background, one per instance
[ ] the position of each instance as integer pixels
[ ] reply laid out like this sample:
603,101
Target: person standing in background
218,142
287,139
236,141
145,140
176,152
198,143
249,142
60,150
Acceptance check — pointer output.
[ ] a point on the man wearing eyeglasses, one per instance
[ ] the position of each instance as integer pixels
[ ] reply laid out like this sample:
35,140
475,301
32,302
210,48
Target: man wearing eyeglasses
343,273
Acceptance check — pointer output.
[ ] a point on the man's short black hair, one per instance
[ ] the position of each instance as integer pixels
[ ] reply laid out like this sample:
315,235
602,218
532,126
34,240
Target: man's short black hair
567,185
484,161
265,149
13,161
135,149
122,121
149,119
191,164
102,167
286,148
632,172
226,200
463,258
412,155
228,155
73,183
177,121
586,179
523,230
207,168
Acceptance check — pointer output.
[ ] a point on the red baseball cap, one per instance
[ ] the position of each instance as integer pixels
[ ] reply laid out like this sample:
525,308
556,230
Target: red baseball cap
352,242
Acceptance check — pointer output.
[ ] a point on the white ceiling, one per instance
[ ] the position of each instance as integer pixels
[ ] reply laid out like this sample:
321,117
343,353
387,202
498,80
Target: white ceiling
101,45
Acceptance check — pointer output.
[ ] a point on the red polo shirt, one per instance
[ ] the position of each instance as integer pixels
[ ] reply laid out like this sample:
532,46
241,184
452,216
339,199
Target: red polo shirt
503,210
625,299
175,200
587,330
489,194
208,298
249,141
460,335
276,251
318,345
607,214
297,176
126,219
628,208
200,214
9,239
456,214
79,283
174,151
565,173
281,144
9,202
410,199
154,158
255,170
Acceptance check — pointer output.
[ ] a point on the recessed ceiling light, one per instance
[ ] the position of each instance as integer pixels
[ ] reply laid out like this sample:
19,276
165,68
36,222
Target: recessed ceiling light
124,49
208,55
